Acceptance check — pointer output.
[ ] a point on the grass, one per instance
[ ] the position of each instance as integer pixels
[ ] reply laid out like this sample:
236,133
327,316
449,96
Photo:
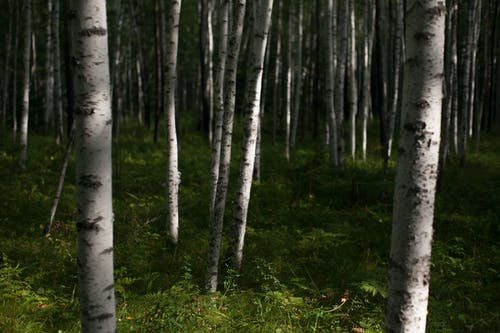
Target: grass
315,252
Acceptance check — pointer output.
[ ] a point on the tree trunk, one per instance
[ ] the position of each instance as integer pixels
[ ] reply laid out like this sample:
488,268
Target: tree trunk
289,84
58,105
7,70
219,101
449,88
398,50
416,172
465,81
332,62
26,85
206,55
159,70
277,73
366,96
381,102
351,78
340,80
298,75
14,78
49,70
251,125
93,166
217,219
173,175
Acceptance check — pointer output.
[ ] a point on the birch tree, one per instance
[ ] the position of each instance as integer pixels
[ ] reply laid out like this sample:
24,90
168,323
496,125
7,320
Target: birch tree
297,75
288,85
26,84
49,70
217,218
366,97
416,172
396,77
251,124
93,138
58,105
173,175
7,69
219,100
340,80
351,77
277,72
332,62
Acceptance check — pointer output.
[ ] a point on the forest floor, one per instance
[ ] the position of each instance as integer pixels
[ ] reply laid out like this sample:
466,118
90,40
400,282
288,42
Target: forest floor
315,257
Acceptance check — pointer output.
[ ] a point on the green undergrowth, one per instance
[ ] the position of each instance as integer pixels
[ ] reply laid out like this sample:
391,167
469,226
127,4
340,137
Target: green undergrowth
315,251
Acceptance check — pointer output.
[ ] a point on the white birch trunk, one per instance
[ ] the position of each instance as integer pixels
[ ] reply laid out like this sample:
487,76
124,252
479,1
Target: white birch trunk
93,124
398,50
242,197
49,68
217,219
367,56
332,62
26,85
277,73
288,101
173,175
14,74
298,76
353,84
219,101
7,70
340,81
58,106
473,65
416,173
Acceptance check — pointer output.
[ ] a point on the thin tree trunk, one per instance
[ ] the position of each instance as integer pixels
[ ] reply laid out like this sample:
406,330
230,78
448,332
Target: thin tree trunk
413,212
93,137
117,73
49,68
14,78
173,175
332,62
159,70
465,81
351,78
60,184
206,55
26,85
366,97
382,78
449,89
485,89
57,76
265,75
298,75
219,101
242,197
340,80
277,73
289,84
217,219
7,70
473,67
398,50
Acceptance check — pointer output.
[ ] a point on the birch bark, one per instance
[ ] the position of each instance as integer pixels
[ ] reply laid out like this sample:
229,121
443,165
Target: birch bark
217,219
58,106
298,76
416,172
242,198
173,175
219,101
7,69
332,64
49,68
26,85
351,78
93,124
